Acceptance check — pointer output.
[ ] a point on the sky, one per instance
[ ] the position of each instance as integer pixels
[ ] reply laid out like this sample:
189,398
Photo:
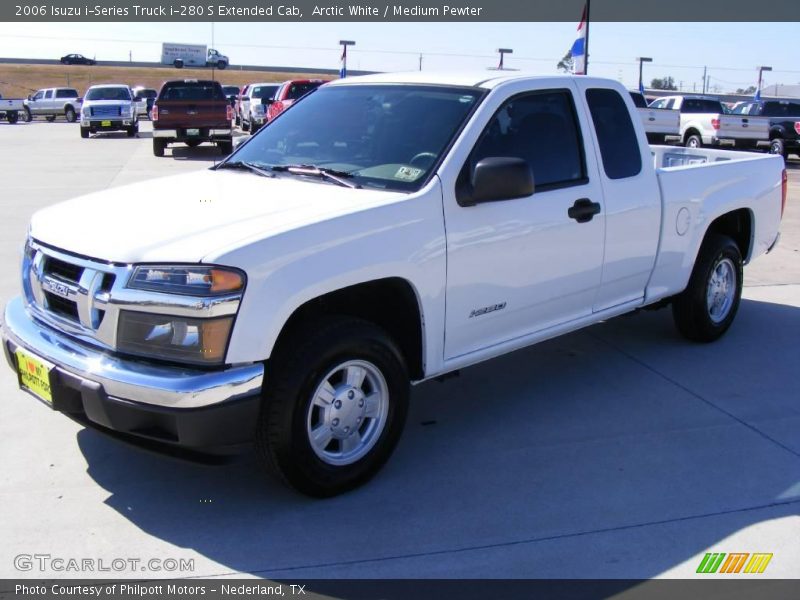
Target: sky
731,51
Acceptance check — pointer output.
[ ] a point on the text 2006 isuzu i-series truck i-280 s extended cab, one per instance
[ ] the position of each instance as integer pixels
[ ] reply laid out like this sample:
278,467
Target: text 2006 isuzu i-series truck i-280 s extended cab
385,229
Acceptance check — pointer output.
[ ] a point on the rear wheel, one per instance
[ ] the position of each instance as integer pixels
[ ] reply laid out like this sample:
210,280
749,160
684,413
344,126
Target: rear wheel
221,64
158,146
777,146
69,114
694,141
706,308
225,147
335,407
12,117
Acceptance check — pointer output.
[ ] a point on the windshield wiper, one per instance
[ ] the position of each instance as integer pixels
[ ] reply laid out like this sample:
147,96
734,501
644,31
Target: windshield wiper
315,171
243,164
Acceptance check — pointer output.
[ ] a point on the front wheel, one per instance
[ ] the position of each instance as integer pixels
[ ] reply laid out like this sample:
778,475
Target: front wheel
84,132
335,407
12,117
706,308
26,115
777,146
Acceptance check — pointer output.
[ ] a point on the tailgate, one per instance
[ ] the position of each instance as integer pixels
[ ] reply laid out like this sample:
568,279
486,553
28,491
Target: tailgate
743,127
659,120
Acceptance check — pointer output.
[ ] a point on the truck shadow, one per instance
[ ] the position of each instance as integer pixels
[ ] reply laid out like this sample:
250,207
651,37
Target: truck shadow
621,451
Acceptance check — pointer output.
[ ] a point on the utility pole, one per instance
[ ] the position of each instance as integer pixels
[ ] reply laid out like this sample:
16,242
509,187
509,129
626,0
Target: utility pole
420,61
704,79
760,72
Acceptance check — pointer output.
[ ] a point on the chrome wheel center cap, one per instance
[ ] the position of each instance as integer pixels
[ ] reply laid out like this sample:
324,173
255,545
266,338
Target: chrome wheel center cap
347,411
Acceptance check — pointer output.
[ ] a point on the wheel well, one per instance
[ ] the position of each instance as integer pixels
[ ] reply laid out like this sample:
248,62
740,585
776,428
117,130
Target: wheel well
738,225
389,303
68,106
690,132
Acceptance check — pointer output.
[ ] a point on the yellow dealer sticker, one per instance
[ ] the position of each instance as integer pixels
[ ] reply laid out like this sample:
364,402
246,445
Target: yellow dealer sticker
34,375
105,123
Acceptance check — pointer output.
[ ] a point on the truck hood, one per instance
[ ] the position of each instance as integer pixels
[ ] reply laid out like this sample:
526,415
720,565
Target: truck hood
191,217
88,103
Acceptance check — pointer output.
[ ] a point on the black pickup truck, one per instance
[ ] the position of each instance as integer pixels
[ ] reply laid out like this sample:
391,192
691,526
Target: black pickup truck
784,123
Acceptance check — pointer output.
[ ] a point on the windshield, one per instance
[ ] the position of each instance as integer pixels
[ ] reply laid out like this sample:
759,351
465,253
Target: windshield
264,91
382,136
108,93
192,91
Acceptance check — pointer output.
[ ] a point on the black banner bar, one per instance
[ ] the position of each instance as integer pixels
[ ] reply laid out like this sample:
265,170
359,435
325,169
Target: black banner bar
397,10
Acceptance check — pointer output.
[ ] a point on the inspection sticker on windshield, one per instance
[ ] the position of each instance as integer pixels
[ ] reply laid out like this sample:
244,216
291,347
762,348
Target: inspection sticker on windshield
407,173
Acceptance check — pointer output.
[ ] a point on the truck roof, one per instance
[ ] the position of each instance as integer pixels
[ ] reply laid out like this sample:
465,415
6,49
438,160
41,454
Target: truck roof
483,79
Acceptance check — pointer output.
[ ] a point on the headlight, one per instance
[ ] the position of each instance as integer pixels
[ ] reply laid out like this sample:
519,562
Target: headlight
180,339
189,280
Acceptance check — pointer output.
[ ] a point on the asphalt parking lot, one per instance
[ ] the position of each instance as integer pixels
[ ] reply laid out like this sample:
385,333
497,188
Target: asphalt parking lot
621,451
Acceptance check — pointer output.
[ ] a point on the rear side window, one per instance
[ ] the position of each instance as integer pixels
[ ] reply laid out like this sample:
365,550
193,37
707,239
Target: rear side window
700,105
48,94
638,100
192,90
541,128
297,90
619,146
66,93
781,109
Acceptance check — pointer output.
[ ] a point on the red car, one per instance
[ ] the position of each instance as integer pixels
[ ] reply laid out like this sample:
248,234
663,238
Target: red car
289,92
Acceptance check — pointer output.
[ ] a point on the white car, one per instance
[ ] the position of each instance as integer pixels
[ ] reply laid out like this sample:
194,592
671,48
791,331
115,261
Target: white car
387,229
109,107
254,107
143,98
53,102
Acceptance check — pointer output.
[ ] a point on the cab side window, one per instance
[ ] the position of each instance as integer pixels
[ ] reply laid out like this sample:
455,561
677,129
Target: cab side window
48,94
541,128
619,146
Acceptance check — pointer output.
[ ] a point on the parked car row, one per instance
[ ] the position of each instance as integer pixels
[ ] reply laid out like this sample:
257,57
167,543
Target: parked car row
259,103
696,121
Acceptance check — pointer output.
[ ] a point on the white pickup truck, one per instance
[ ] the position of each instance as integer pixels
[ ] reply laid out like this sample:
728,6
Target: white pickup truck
289,295
705,123
10,109
659,124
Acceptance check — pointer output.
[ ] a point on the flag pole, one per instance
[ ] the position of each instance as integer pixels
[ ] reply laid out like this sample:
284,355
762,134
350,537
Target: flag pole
586,47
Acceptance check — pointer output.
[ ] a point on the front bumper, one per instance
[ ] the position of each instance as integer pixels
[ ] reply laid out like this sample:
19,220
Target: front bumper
113,124
182,406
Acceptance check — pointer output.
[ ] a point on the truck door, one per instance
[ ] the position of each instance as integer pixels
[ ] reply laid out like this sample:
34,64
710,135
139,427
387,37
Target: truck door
35,103
48,103
517,267
631,193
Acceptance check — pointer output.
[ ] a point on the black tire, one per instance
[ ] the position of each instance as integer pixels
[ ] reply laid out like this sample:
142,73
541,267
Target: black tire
26,115
132,131
777,146
221,64
50,118
299,367
12,117
693,141
690,308
84,132
158,146
193,143
245,125
254,128
225,147
69,114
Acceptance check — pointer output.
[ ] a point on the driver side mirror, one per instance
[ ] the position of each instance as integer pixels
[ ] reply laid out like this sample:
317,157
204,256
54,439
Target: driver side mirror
495,179
30,97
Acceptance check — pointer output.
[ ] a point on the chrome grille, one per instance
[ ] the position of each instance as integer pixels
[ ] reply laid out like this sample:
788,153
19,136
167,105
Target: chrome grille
106,111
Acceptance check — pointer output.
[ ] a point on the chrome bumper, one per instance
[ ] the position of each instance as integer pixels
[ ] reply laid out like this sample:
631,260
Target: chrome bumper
173,133
126,379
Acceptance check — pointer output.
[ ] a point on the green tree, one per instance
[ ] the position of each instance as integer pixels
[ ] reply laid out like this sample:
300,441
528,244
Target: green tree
663,83
747,90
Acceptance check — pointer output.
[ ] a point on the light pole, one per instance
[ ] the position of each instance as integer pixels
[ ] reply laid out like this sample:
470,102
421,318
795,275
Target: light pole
642,59
503,52
758,89
343,68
